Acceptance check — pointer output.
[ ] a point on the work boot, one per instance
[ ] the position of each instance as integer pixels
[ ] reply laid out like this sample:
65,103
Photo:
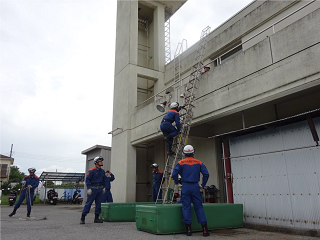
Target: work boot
188,228
205,230
28,213
13,212
82,219
97,220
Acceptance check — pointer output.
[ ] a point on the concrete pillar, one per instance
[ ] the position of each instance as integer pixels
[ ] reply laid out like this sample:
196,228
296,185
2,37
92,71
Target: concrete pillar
159,48
123,154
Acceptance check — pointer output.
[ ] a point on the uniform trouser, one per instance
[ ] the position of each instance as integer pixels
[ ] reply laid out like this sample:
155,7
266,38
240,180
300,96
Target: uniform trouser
25,195
155,190
96,196
107,196
168,131
190,193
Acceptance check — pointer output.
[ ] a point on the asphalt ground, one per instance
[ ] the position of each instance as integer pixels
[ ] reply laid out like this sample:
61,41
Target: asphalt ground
63,222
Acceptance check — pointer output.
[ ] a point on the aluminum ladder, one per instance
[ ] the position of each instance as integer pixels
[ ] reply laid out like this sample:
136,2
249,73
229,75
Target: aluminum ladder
167,183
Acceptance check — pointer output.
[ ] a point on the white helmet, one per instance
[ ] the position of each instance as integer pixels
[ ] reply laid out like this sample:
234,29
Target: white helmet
188,149
32,169
154,165
97,159
174,105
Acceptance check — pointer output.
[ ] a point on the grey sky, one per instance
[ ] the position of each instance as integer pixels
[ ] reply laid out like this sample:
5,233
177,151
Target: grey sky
57,68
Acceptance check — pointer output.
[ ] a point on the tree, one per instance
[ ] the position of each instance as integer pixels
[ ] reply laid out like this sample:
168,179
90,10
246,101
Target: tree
15,174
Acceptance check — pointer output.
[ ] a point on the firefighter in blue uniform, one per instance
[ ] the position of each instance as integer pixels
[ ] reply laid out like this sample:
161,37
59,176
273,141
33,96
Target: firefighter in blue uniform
29,184
190,169
95,182
166,127
157,177
107,196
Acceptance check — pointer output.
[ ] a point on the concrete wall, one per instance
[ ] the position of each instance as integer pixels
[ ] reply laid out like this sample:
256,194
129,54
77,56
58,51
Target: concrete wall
280,65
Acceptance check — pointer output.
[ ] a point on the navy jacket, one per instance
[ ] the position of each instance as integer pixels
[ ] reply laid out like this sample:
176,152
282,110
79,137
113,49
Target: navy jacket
95,177
189,170
157,177
172,116
108,180
31,180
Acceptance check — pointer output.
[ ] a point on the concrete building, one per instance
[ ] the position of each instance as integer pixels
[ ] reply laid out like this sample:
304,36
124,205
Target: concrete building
256,118
5,163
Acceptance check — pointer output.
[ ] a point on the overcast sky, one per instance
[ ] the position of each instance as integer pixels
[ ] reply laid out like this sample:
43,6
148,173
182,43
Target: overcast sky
56,74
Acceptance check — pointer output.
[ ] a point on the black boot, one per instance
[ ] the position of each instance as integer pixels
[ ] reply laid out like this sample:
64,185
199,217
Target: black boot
205,230
82,219
188,228
13,212
97,220
28,213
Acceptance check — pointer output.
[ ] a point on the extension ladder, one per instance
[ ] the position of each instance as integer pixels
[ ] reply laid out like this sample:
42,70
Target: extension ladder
167,183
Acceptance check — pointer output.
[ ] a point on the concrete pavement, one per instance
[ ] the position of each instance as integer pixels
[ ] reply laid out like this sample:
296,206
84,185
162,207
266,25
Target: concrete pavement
63,223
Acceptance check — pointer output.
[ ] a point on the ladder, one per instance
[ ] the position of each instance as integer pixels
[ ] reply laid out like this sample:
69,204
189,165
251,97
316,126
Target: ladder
167,183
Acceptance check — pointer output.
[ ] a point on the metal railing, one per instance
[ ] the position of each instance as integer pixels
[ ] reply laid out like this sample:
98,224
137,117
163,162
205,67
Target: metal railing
218,59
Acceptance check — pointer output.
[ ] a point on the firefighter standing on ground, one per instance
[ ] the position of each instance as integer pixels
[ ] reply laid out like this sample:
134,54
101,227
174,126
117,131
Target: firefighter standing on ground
95,182
166,127
190,169
107,196
157,177
29,184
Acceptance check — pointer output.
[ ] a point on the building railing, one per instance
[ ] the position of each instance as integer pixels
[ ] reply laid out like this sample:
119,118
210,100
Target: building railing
218,59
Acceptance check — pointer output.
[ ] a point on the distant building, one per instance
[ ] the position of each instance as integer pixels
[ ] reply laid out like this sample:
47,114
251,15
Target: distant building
5,163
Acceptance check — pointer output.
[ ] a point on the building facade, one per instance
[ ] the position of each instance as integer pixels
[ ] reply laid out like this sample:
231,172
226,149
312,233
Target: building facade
5,163
256,119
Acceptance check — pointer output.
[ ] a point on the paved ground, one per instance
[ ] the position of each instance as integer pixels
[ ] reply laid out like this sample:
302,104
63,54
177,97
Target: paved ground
63,223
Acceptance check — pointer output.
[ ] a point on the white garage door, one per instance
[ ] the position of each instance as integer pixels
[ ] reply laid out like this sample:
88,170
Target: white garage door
276,176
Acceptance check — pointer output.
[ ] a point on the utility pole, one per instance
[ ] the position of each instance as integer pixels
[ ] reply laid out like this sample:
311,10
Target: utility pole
11,150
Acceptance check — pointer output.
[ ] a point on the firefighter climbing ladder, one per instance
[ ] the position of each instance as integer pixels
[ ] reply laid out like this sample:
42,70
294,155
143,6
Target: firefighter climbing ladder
167,183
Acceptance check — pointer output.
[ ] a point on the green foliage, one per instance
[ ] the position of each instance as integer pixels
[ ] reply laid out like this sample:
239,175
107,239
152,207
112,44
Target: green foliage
5,186
69,185
5,200
15,174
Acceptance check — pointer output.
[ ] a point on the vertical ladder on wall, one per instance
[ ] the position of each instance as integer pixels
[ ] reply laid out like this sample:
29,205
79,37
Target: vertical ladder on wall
167,183
176,62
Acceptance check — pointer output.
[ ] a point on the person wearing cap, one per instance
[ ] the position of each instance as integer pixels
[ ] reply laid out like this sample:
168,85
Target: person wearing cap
95,182
107,196
206,69
29,184
157,178
189,169
166,127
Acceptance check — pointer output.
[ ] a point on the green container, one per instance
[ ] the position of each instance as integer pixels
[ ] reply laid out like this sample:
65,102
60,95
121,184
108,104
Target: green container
167,218
120,212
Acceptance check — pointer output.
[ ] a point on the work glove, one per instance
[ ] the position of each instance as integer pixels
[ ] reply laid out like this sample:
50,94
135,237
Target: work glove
29,186
108,174
23,182
89,191
103,190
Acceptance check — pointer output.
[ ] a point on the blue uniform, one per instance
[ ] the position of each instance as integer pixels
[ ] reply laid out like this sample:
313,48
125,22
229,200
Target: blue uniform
157,177
34,182
95,181
166,127
107,196
190,169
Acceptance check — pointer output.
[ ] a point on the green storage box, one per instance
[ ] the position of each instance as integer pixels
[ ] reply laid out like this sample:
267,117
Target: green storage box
167,218
120,212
